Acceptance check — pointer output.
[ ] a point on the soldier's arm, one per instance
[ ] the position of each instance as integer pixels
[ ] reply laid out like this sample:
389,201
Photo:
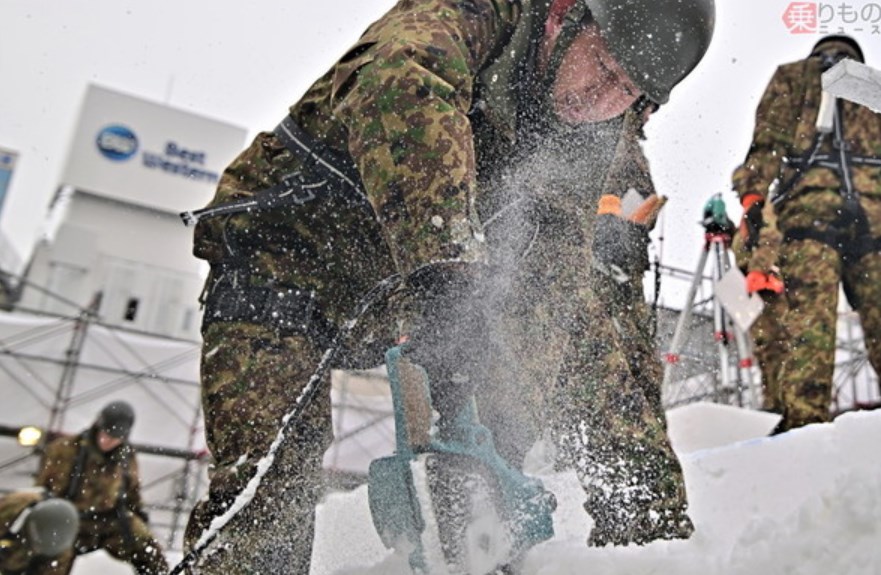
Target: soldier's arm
776,118
403,94
57,466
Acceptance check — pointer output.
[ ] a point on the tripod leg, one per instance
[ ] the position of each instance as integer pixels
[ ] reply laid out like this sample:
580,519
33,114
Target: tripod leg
720,325
682,324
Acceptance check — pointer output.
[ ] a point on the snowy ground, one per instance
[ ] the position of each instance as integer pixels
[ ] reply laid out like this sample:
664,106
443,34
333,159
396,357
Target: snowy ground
805,502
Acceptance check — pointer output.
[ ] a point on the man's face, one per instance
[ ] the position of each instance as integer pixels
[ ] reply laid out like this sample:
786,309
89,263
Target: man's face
107,442
590,85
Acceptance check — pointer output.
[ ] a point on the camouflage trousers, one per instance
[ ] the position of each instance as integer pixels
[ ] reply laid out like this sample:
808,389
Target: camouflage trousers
251,377
812,271
610,425
132,543
770,348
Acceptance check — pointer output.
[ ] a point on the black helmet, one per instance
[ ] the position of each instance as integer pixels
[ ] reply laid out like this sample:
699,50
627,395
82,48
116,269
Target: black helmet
847,44
51,527
657,42
116,419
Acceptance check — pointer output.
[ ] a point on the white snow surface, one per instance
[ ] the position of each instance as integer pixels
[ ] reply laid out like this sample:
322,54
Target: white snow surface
804,502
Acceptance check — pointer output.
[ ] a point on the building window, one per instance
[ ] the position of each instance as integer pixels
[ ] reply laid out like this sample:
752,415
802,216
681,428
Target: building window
131,309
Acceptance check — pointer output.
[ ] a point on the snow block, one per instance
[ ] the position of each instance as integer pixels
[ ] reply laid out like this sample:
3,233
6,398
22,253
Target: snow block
855,82
705,425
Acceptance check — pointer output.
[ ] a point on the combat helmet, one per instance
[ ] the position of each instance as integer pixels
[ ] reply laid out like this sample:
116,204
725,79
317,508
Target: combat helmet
52,526
116,419
657,42
848,47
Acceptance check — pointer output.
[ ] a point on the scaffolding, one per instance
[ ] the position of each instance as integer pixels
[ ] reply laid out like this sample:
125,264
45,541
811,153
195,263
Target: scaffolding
58,371
696,375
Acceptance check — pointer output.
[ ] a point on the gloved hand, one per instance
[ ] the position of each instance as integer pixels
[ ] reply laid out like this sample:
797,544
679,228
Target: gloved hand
448,334
751,222
758,282
620,245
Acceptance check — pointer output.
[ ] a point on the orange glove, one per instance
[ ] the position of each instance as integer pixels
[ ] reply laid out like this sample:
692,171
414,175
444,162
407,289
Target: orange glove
761,281
644,215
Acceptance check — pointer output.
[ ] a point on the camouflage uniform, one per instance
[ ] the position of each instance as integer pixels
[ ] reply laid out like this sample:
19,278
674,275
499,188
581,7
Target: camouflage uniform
577,357
613,431
16,556
106,491
826,240
421,111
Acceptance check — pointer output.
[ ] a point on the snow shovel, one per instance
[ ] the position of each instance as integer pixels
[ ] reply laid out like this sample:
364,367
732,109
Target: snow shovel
456,507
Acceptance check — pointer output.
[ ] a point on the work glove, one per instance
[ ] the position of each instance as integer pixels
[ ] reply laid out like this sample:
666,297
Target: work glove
619,244
764,282
751,222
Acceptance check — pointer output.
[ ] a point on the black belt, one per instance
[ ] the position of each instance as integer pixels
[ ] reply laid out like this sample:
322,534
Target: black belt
849,246
288,310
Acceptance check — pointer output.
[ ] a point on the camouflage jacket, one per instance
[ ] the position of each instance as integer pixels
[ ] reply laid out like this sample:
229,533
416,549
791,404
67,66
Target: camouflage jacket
107,482
416,106
15,554
786,127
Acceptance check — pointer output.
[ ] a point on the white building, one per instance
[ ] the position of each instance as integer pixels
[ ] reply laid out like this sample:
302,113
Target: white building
113,230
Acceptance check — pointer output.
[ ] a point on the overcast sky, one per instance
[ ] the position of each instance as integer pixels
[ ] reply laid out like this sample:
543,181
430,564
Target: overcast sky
245,63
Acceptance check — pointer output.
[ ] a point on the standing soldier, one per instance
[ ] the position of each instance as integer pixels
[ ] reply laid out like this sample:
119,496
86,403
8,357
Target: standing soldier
392,165
36,533
97,471
826,177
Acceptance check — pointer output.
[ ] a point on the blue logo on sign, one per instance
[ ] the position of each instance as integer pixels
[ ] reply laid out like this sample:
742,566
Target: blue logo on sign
117,143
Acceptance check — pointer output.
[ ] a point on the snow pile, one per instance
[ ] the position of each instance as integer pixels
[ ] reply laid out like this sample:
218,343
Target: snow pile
805,502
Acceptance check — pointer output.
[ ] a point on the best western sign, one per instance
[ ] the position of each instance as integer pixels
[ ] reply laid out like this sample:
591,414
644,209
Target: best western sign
148,154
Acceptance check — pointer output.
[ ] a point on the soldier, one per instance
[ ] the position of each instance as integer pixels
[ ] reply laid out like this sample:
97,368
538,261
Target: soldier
390,165
826,180
97,471
36,533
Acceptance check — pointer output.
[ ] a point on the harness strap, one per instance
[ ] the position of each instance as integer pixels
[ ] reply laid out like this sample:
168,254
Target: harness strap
128,535
831,161
840,162
323,171
76,474
318,156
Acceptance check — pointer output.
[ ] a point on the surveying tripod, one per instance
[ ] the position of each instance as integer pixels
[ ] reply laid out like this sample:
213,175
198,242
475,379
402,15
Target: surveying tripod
718,233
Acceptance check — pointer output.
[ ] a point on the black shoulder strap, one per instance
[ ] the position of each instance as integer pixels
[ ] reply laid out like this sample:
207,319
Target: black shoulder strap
76,474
